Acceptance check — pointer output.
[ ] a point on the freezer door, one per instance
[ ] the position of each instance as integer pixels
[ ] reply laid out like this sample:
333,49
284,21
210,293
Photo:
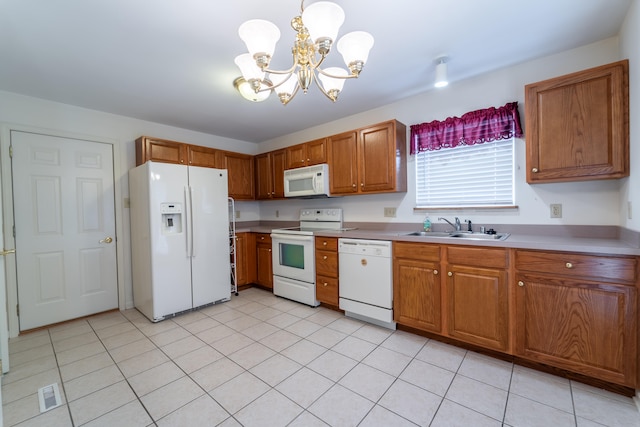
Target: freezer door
209,244
166,287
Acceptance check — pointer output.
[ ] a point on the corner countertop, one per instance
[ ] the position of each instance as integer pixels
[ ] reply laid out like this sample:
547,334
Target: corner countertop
607,240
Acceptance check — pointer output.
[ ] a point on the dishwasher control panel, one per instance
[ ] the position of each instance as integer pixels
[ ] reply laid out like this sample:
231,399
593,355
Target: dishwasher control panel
378,248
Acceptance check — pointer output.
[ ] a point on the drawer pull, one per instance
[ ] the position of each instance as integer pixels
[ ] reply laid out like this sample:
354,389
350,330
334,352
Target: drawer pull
534,170
324,257
325,284
269,249
521,283
262,238
324,243
568,265
435,272
449,274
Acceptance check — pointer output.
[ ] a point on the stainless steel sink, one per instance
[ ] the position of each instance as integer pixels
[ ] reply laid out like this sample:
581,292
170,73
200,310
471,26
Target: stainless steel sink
460,235
480,236
430,234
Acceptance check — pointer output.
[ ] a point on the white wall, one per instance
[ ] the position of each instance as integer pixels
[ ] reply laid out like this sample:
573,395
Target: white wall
594,202
54,117
630,48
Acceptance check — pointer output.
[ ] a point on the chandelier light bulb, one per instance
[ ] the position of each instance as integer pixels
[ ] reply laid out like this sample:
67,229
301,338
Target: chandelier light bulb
323,20
355,47
260,37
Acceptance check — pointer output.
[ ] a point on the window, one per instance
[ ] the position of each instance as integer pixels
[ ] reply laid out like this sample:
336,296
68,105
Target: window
467,161
466,175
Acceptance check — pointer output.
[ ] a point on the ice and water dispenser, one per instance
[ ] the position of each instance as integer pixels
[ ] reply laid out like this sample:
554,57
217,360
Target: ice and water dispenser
171,218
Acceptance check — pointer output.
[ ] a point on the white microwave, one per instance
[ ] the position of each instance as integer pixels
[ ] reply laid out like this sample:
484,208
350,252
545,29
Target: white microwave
309,181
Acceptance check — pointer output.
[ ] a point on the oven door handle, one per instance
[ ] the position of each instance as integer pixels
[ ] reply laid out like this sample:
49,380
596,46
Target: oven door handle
292,237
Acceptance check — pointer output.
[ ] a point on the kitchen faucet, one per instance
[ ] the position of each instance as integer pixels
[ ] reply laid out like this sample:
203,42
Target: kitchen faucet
457,226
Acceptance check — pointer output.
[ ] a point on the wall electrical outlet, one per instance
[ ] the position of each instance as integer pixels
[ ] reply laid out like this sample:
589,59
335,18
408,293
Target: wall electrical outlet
390,212
277,213
556,210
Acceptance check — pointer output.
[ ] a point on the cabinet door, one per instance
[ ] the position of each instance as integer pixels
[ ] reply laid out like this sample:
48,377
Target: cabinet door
278,159
264,186
264,261
577,125
376,158
416,294
316,152
580,326
343,163
296,156
240,169
242,261
201,156
478,306
160,150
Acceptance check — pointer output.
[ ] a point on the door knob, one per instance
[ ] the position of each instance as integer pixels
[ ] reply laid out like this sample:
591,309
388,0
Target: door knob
106,240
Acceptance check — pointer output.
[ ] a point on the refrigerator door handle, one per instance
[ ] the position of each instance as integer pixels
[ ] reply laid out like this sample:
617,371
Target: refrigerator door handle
191,221
189,232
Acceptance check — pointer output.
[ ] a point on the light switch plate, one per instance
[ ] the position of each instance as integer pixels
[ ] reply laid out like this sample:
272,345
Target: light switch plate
556,210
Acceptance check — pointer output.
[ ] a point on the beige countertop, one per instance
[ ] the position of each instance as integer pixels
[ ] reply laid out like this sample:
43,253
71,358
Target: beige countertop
530,238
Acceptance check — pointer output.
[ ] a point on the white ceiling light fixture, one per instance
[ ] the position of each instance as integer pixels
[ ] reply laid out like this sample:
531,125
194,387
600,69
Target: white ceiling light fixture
441,72
316,29
247,91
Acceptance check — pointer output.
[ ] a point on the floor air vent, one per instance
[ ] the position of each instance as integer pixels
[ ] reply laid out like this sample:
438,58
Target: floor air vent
49,397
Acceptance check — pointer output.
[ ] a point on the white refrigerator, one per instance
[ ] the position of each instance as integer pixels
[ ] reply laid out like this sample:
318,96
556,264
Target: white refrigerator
179,238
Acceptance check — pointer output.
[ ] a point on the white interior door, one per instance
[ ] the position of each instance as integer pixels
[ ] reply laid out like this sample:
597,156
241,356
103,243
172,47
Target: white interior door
63,192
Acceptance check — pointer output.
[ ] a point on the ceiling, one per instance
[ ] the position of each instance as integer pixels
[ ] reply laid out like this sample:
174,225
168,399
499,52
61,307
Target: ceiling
171,61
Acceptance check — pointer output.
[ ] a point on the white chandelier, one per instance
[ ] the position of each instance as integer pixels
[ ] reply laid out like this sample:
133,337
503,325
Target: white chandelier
316,27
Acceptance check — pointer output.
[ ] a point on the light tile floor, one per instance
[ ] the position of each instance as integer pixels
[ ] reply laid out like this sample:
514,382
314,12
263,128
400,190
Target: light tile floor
259,360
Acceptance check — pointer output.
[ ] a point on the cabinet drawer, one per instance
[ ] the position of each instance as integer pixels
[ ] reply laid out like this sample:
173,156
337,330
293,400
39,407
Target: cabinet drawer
421,251
327,243
327,290
327,263
263,238
590,267
480,257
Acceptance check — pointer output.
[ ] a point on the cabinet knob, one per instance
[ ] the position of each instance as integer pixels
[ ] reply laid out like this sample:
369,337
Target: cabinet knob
273,192
449,274
308,160
362,184
353,185
261,237
324,243
325,284
568,265
302,161
324,257
435,272
534,170
521,283
269,250
181,161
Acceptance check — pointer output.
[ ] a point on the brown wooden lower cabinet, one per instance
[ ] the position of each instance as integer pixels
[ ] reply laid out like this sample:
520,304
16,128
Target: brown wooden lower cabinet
583,324
264,275
416,286
573,311
245,259
327,290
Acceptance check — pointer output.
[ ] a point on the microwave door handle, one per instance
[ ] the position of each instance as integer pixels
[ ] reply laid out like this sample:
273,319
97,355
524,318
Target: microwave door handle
315,183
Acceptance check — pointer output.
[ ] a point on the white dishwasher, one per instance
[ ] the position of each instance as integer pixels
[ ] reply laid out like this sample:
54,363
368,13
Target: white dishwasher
366,284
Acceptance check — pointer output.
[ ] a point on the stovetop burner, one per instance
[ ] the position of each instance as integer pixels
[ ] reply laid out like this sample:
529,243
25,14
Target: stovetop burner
313,220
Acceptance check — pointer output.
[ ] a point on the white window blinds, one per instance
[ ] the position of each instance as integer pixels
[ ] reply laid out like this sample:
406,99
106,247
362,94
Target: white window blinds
466,176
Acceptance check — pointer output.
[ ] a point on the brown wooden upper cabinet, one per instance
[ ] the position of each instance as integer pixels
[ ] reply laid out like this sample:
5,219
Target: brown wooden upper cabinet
269,171
307,154
240,173
160,150
577,125
369,160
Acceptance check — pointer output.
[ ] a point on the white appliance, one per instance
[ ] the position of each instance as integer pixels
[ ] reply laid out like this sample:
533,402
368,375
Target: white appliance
309,181
293,253
179,238
366,282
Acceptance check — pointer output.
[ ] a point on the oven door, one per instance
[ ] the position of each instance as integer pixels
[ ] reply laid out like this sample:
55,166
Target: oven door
293,256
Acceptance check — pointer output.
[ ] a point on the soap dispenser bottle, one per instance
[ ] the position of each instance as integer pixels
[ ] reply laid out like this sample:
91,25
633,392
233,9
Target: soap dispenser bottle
426,225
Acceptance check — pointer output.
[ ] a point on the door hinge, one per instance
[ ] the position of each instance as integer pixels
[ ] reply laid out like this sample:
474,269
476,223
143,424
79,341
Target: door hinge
17,309
10,151
14,231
